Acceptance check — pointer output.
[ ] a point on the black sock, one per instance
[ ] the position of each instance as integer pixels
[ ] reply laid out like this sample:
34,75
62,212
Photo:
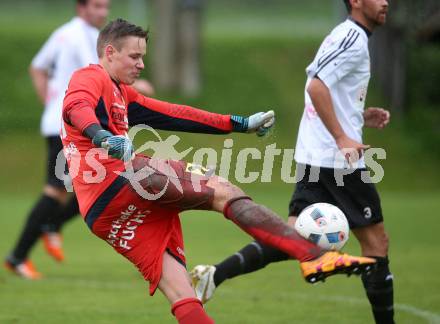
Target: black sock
251,258
67,212
378,285
32,230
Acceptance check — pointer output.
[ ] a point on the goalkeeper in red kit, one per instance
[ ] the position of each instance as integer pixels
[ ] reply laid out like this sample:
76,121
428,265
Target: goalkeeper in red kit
133,201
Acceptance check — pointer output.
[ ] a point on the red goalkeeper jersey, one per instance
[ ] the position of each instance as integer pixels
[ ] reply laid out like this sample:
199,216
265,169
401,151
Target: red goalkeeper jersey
93,97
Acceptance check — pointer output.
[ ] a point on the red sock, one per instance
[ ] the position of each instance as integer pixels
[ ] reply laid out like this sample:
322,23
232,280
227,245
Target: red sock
266,227
190,311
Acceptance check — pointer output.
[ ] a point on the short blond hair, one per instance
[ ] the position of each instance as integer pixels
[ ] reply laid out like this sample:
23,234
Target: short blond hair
116,31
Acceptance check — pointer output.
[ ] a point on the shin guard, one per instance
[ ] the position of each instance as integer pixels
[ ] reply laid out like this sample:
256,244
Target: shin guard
378,285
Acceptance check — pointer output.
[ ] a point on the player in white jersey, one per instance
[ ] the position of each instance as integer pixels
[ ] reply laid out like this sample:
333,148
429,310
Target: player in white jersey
70,47
329,148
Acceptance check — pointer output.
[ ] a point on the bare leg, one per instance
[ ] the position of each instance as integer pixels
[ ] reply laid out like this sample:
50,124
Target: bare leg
175,283
252,257
176,286
260,222
194,191
373,240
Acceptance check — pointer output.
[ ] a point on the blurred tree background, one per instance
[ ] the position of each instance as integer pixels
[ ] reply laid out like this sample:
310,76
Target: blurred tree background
240,57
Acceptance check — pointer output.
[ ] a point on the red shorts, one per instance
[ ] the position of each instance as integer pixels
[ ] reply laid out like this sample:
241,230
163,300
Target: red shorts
142,230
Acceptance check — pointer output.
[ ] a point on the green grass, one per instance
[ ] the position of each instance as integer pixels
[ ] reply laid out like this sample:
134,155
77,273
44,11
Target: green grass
95,285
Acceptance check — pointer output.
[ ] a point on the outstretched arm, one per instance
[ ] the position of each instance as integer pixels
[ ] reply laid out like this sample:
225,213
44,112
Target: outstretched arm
167,116
163,115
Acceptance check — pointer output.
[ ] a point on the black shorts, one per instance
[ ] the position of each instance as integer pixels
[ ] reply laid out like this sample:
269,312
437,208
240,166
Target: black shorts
54,146
357,198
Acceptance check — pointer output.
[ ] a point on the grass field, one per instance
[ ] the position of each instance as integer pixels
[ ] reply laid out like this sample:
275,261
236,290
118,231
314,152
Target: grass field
95,285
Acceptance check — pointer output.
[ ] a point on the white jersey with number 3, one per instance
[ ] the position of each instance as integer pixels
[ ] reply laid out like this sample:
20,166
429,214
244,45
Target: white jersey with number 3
69,48
343,64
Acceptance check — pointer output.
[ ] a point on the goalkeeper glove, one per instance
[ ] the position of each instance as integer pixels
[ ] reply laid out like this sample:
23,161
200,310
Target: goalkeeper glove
259,123
118,146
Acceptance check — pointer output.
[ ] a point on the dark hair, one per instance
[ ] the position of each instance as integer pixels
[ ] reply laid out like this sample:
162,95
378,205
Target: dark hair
81,2
115,31
348,5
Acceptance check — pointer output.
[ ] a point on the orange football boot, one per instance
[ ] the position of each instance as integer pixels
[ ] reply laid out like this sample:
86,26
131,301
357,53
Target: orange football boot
334,262
25,270
53,243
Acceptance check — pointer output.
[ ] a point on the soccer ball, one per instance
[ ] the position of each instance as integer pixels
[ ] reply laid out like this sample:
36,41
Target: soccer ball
324,225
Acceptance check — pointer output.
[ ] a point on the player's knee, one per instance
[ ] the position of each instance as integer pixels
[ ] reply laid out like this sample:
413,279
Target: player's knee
225,189
381,242
376,244
223,192
384,242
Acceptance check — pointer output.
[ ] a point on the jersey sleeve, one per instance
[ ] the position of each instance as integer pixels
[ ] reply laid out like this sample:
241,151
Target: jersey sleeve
337,59
167,116
82,97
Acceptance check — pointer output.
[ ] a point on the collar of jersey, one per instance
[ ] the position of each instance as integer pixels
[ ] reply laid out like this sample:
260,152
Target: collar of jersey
365,29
